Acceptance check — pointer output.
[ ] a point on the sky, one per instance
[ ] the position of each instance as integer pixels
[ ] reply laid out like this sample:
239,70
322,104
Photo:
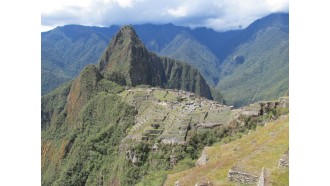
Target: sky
219,15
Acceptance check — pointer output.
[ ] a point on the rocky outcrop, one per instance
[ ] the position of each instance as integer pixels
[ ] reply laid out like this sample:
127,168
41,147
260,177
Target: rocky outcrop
284,161
173,141
202,160
128,62
208,125
173,159
262,178
132,157
263,107
204,183
242,177
284,102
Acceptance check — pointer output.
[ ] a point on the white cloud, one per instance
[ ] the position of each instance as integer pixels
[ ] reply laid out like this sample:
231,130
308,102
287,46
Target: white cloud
178,12
124,3
216,14
46,28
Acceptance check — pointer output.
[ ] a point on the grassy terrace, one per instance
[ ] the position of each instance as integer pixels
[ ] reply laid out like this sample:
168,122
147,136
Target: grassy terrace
260,148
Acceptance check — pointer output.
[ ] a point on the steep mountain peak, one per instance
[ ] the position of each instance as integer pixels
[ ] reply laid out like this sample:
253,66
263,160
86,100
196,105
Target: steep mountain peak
127,61
128,34
127,31
118,58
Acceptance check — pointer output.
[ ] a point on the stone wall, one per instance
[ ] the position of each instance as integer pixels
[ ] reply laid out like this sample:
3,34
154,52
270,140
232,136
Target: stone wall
242,177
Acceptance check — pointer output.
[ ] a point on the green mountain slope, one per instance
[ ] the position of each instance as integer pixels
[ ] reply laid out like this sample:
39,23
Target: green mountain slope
65,51
258,69
185,47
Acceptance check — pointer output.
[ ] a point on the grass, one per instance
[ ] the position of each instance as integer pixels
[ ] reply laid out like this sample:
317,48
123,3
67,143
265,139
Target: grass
261,148
164,96
280,177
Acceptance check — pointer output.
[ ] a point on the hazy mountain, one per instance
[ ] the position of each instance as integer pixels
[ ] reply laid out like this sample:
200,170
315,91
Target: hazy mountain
65,51
223,58
185,47
258,68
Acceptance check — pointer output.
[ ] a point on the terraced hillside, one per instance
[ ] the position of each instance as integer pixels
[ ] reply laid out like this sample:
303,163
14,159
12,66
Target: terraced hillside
95,131
167,115
260,153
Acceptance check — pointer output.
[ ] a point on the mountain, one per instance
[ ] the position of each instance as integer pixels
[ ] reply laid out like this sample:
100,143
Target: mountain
185,47
258,68
230,61
127,62
65,51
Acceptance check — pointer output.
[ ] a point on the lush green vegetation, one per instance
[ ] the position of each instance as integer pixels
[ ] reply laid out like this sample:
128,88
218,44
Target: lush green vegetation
87,153
258,69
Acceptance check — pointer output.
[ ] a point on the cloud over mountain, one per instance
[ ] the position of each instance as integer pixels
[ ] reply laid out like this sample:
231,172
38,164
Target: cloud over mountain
217,14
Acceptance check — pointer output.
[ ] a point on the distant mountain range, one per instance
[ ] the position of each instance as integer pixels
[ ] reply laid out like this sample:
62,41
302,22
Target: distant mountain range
243,65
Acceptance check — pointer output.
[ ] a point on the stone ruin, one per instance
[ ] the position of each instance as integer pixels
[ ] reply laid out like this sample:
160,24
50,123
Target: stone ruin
242,177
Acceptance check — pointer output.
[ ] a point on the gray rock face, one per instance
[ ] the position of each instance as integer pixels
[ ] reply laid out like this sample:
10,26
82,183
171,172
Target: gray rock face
208,125
284,102
262,178
173,141
132,156
202,160
204,183
173,159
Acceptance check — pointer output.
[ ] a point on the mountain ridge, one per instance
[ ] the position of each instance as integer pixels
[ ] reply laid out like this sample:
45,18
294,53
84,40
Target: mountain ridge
160,39
128,62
